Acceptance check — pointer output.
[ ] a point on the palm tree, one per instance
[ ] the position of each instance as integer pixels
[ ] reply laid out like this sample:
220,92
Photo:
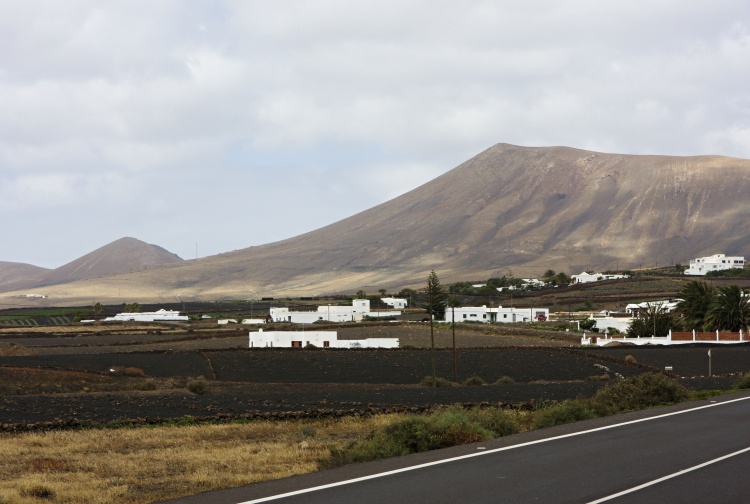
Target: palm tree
697,299
655,322
731,310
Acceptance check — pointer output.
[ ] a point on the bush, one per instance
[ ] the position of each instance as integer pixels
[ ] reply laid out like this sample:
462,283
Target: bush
504,380
743,382
566,412
133,371
630,359
197,386
413,434
439,382
499,422
474,381
639,392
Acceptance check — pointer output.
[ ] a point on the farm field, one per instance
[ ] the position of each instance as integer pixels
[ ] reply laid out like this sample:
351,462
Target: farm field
59,379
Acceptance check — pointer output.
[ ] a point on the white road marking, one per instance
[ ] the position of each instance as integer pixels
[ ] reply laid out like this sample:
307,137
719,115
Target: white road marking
669,476
481,453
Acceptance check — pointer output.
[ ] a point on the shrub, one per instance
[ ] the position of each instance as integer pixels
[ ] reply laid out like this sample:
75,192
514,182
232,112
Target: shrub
474,381
743,382
630,359
504,380
197,386
439,382
38,491
413,434
565,412
639,392
133,371
601,377
498,421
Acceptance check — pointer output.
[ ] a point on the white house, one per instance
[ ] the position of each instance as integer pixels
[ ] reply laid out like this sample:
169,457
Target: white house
499,314
716,262
157,316
359,309
595,277
637,309
320,339
397,303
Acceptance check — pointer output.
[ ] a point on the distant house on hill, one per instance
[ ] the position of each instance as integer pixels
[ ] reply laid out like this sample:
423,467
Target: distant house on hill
716,262
320,339
595,277
157,316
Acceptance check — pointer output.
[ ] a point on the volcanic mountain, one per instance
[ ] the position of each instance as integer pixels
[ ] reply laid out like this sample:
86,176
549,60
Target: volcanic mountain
509,209
120,256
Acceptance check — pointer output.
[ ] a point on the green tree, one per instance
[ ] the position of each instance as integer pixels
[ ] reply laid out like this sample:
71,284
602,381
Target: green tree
436,301
382,292
132,308
730,311
656,321
360,294
97,308
436,297
697,299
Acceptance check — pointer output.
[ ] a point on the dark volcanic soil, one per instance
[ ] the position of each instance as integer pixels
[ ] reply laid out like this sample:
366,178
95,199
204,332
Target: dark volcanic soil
258,383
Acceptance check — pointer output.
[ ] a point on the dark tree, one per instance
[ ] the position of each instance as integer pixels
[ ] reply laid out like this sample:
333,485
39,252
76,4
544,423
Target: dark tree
697,299
436,301
656,321
730,311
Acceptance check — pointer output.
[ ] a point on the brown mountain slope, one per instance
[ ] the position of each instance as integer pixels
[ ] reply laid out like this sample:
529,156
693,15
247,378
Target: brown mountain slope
12,273
518,208
121,256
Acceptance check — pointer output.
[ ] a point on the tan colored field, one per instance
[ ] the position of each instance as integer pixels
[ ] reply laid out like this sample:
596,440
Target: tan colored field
148,464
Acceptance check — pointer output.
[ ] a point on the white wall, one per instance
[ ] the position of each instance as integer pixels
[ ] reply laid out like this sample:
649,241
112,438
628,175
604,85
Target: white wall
321,339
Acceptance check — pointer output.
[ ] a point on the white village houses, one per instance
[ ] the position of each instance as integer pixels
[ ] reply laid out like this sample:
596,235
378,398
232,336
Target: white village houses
320,339
397,303
157,316
492,315
330,313
595,277
716,262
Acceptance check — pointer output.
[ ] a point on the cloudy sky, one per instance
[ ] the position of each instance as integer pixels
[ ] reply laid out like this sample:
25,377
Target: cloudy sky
228,124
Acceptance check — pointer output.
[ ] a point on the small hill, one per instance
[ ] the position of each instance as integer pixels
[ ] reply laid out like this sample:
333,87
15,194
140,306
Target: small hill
121,256
12,273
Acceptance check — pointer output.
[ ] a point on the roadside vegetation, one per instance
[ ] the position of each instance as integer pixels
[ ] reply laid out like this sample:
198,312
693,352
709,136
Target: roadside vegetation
145,464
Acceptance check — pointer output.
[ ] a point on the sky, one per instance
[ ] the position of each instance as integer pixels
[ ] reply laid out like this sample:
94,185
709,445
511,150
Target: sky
210,126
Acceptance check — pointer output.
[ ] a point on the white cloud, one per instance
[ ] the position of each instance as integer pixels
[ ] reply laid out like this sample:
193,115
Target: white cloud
104,105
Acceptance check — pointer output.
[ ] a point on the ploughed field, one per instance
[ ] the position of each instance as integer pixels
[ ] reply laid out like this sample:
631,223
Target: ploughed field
68,381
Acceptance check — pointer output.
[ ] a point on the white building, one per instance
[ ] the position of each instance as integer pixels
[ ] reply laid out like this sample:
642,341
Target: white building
499,314
320,339
716,262
157,316
397,303
359,309
638,309
595,277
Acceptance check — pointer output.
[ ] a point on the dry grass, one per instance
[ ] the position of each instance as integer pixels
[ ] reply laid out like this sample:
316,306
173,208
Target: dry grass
148,464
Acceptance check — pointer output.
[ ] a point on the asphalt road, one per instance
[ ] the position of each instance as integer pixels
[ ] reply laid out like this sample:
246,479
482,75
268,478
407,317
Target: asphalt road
697,452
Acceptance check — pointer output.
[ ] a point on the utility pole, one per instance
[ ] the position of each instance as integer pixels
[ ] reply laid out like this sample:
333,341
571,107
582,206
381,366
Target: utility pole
453,328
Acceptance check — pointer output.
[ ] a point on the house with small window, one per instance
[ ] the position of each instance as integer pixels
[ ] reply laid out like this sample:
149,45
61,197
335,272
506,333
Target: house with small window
359,309
319,339
717,262
495,315
596,277
397,303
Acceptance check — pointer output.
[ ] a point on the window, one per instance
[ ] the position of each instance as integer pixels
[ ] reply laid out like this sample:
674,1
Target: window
326,344
296,344
464,315
484,315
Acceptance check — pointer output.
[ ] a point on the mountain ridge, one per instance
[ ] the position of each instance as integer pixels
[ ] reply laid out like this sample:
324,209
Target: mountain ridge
508,209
